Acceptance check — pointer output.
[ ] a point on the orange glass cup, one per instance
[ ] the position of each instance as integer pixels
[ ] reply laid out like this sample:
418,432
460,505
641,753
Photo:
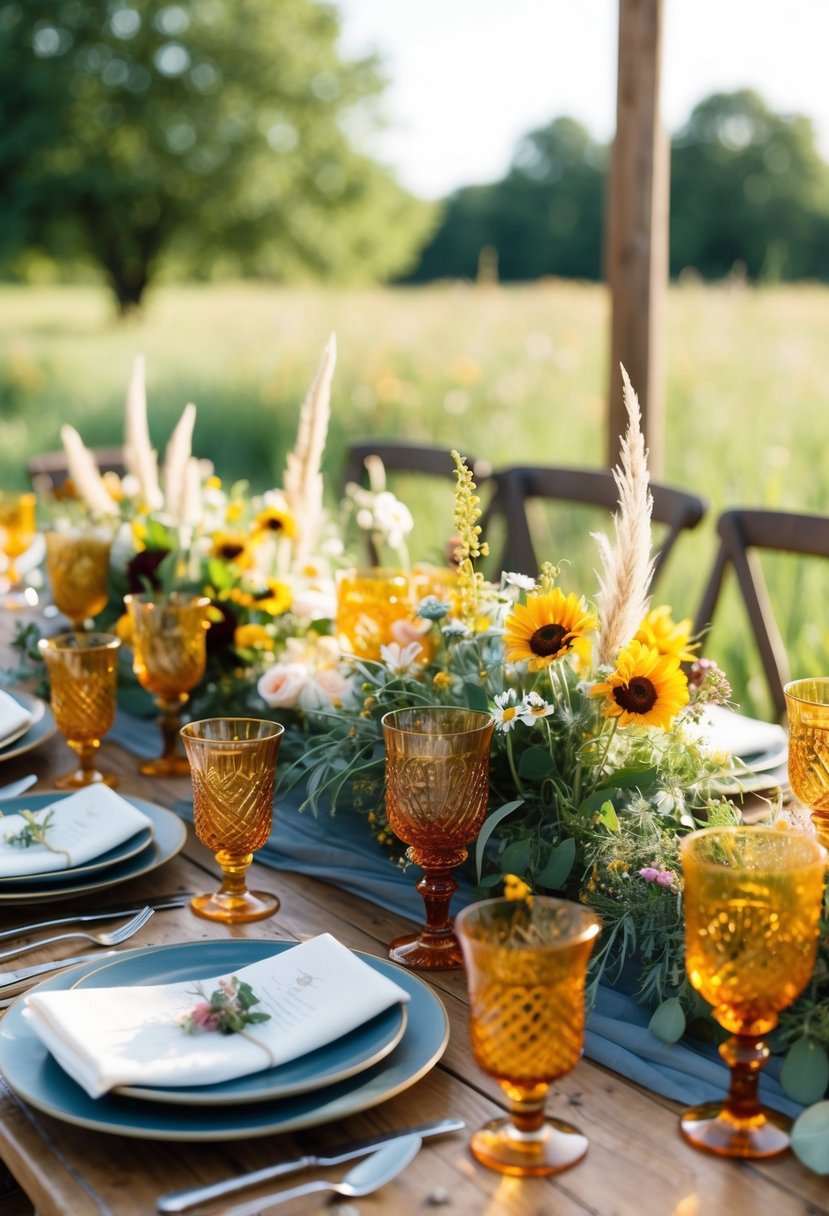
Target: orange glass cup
77,562
83,676
370,603
18,528
233,766
169,657
807,707
437,790
526,963
753,899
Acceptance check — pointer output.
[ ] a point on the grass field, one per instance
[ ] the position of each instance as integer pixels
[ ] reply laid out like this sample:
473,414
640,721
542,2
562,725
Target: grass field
509,374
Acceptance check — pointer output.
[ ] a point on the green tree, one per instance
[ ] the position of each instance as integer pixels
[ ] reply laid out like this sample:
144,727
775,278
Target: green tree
208,133
748,186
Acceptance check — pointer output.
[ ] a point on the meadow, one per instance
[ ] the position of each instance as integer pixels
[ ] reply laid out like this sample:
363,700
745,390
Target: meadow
510,374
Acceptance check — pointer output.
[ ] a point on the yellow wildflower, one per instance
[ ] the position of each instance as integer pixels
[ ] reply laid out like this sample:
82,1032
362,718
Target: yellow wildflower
252,637
660,631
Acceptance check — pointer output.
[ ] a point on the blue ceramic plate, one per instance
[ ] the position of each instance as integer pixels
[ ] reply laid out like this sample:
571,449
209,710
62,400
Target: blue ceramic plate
366,1045
42,727
169,835
126,849
36,1078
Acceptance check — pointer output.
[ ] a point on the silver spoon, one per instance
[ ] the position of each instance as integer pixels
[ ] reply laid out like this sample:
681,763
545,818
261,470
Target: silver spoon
372,1173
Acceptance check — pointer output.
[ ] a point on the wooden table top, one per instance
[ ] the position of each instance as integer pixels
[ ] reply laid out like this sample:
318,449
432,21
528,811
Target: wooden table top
637,1163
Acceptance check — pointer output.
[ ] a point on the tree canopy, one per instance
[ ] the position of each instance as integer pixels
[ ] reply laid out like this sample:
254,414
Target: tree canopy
748,188
210,132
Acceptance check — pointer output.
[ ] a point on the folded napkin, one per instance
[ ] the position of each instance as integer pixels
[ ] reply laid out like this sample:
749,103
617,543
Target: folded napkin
14,719
83,826
727,731
107,1037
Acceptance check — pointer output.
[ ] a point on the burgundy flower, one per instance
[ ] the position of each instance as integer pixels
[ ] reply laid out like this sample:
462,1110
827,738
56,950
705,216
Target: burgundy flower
143,569
221,632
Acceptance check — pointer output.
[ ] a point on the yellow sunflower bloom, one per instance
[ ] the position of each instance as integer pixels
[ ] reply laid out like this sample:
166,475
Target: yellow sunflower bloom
666,635
646,689
252,637
276,520
231,547
276,600
547,628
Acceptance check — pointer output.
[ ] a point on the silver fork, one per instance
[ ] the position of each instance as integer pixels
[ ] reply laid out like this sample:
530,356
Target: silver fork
113,938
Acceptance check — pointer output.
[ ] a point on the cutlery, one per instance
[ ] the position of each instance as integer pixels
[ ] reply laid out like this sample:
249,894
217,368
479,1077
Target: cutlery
15,788
158,905
10,979
114,938
181,1201
378,1169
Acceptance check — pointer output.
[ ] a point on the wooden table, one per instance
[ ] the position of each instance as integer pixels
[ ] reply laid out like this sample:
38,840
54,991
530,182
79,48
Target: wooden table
637,1163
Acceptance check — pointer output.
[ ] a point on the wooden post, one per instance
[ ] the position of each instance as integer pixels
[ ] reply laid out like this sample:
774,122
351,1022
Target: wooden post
637,228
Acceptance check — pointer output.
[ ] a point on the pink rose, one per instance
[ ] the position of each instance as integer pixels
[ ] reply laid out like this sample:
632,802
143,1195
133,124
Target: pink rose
282,685
201,1019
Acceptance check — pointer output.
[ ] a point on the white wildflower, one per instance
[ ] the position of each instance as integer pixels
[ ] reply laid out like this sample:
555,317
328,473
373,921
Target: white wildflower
400,659
534,707
505,711
522,581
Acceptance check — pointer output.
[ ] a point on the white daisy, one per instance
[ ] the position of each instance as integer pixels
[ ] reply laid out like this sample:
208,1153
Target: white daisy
522,581
534,707
399,659
505,711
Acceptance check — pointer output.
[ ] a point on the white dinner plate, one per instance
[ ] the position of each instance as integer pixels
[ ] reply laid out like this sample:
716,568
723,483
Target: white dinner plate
41,728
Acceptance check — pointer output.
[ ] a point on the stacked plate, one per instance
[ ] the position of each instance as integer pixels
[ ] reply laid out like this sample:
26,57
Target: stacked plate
759,751
148,849
359,1070
25,731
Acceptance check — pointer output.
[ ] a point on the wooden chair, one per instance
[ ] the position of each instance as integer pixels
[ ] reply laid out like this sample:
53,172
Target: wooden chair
517,488
742,532
49,470
429,462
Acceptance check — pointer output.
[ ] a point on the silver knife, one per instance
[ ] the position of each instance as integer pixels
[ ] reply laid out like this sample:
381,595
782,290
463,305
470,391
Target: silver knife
181,1201
157,905
8,979
15,788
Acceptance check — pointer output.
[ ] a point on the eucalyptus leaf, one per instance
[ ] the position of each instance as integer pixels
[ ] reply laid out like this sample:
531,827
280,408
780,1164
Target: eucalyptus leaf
668,1021
516,858
489,827
536,763
558,866
475,697
810,1138
805,1071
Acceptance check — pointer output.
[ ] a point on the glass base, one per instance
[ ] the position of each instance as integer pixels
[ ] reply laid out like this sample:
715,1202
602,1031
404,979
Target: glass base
556,1146
713,1129
238,909
412,951
81,778
165,766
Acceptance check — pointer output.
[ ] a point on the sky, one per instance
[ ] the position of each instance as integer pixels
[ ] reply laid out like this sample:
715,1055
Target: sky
467,78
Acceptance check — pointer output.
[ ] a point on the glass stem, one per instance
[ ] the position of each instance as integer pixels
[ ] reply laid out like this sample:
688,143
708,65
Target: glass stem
169,723
234,870
437,886
85,751
526,1107
745,1055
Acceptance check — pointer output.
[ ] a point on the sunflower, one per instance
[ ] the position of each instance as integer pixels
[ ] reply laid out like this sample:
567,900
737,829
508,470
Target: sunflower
646,689
231,547
252,637
547,628
275,600
276,520
666,635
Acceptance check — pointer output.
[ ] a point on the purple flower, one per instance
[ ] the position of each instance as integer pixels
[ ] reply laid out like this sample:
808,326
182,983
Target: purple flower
666,878
649,873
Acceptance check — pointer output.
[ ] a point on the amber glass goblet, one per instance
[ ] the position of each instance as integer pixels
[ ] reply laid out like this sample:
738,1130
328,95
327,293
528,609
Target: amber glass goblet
169,655
526,962
233,765
437,786
83,676
807,706
18,528
753,897
77,562
369,604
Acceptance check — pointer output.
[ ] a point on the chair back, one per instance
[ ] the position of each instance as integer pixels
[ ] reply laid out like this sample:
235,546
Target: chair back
743,533
48,471
519,487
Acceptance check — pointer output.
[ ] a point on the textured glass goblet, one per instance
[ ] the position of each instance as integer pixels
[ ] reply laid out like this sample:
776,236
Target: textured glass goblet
526,962
169,656
77,562
752,911
83,677
233,766
370,603
807,706
18,528
437,787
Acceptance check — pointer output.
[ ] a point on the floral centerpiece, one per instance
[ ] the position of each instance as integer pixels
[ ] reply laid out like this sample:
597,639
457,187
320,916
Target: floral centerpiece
599,763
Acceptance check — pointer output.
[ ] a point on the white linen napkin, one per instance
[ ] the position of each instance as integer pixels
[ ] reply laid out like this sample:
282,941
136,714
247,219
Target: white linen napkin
727,731
14,719
83,826
107,1037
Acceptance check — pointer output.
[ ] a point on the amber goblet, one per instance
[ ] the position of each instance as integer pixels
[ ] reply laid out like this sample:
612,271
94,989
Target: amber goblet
369,604
233,765
807,706
752,909
18,528
526,962
83,676
77,562
437,786
169,656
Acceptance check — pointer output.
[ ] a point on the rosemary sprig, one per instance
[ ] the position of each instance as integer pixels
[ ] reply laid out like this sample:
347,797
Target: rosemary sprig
34,832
